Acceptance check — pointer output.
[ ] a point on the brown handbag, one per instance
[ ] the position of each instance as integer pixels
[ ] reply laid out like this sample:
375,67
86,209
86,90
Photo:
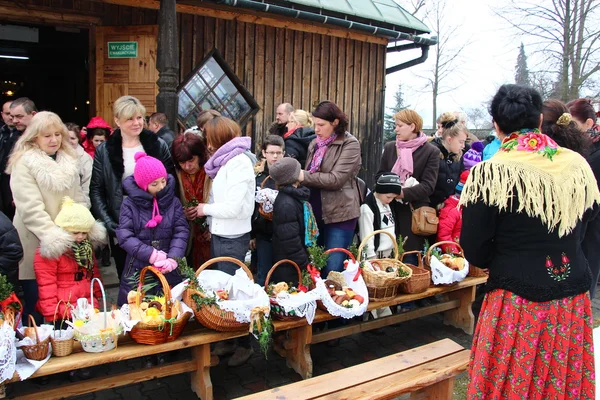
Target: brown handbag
424,221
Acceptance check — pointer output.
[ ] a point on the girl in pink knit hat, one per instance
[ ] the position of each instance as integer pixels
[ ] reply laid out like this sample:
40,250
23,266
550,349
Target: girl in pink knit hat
152,227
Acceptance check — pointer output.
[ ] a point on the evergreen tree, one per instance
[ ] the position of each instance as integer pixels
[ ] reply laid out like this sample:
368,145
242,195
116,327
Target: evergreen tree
389,124
521,69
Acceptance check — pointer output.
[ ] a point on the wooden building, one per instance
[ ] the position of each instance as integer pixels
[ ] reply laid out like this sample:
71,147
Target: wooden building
301,52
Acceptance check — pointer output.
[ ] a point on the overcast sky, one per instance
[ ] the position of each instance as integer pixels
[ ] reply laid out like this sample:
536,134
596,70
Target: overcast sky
487,62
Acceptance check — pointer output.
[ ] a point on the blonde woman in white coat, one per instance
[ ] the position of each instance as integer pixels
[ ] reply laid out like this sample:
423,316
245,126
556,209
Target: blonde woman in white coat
43,169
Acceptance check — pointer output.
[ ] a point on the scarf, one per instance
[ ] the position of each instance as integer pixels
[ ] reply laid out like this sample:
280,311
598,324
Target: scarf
551,183
233,148
404,163
82,253
311,230
320,150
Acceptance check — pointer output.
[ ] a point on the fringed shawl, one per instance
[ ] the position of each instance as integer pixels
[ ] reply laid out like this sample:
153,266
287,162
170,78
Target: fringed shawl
557,189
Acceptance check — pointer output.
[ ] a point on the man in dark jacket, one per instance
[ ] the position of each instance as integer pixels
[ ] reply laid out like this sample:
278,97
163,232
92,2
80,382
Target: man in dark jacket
288,220
11,251
159,124
279,127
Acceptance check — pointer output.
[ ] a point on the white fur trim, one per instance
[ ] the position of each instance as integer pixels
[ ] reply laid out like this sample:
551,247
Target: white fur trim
54,176
55,243
98,235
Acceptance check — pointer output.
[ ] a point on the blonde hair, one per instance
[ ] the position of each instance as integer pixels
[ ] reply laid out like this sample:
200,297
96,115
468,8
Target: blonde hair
40,123
410,117
128,106
451,127
302,118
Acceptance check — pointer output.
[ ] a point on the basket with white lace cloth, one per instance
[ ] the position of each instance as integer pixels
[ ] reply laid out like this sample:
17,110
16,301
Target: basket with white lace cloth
352,281
289,305
265,197
228,300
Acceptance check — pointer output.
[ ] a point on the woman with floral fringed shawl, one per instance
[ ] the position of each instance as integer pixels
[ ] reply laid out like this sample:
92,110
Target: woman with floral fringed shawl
525,213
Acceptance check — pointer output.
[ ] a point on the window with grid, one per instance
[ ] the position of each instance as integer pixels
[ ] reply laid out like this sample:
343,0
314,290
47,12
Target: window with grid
214,86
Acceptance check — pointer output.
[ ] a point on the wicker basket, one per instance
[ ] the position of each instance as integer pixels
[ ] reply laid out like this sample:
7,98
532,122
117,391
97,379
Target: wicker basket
320,304
104,340
277,312
428,255
476,272
39,350
212,316
167,331
266,215
60,346
419,280
383,286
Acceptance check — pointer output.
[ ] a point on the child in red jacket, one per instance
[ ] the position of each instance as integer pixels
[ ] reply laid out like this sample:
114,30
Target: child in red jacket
65,264
451,217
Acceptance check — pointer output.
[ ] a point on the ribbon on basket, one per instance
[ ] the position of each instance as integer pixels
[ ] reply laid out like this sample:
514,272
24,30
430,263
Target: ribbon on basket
257,315
170,321
314,272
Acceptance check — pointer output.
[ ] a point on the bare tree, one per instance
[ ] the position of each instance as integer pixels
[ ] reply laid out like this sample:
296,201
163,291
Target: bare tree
479,118
565,32
447,54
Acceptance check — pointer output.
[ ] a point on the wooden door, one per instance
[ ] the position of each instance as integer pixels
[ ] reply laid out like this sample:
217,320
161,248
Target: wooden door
135,76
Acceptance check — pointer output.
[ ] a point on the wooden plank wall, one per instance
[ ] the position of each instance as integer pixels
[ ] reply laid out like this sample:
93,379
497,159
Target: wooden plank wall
276,65
280,65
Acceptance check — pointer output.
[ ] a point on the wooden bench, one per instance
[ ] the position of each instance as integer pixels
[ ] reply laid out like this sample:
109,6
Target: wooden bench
195,338
456,308
427,372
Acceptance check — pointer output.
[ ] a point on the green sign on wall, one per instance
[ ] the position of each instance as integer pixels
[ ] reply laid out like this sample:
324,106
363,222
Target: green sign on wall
122,49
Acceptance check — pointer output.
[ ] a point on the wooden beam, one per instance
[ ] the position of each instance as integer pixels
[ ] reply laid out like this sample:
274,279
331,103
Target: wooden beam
256,18
10,11
113,381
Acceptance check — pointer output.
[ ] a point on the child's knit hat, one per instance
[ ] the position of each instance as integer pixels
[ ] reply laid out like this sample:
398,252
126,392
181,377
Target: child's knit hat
147,170
387,183
463,178
473,156
74,217
285,171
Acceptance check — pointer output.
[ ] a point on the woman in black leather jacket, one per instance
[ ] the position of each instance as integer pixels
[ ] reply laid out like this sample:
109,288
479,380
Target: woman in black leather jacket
114,162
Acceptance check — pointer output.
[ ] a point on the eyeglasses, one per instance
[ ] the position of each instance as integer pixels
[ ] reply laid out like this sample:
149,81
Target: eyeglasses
274,153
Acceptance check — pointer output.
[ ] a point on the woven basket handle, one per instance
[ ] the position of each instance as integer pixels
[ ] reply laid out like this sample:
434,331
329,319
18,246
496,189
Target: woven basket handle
370,235
339,249
438,244
277,264
165,286
103,296
64,314
225,259
419,257
35,328
262,184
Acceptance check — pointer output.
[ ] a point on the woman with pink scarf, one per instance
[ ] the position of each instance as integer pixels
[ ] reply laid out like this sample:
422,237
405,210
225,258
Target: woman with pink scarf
332,164
416,162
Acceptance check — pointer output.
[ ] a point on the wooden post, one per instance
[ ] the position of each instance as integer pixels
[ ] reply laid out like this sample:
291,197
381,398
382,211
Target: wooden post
438,391
298,354
201,383
462,317
168,62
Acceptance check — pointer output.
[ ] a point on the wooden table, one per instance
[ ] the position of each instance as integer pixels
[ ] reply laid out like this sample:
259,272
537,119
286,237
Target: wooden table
456,308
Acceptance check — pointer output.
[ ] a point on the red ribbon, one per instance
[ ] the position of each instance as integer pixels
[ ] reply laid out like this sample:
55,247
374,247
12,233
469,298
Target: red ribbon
314,273
8,301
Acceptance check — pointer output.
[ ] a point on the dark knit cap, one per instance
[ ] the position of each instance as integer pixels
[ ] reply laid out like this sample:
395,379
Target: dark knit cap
388,182
285,171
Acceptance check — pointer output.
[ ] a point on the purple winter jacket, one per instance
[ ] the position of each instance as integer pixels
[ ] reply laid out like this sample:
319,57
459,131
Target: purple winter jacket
170,235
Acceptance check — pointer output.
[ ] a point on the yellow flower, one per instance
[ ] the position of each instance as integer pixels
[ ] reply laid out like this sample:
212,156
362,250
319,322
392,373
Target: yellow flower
78,323
152,312
160,299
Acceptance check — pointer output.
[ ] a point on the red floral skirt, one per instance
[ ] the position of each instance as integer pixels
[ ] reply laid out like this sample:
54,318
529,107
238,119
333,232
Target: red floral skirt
528,350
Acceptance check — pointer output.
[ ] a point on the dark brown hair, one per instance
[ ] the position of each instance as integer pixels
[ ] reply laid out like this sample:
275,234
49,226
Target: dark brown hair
186,146
566,134
329,111
273,140
582,110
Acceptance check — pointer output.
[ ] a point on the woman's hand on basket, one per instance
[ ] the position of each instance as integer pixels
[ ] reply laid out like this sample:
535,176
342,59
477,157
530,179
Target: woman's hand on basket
167,265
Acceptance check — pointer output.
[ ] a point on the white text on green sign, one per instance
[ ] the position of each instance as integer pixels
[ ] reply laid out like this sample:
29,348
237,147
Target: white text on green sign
122,49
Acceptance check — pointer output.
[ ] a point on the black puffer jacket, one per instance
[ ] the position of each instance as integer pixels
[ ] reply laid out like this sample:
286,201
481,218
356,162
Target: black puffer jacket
451,165
11,251
106,187
296,145
288,232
